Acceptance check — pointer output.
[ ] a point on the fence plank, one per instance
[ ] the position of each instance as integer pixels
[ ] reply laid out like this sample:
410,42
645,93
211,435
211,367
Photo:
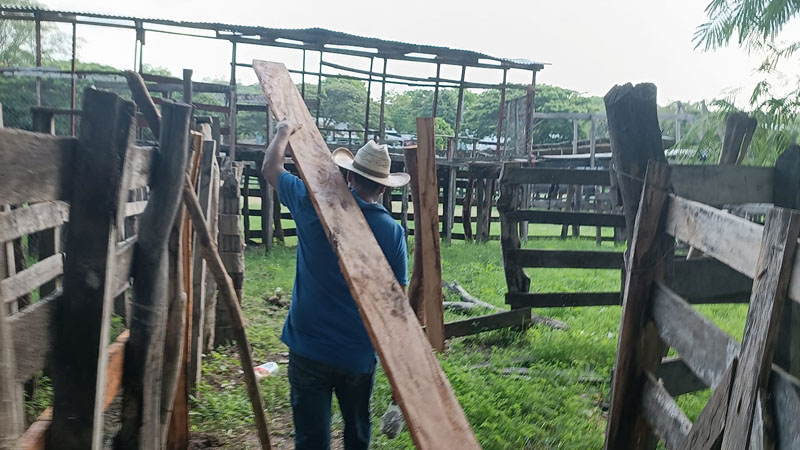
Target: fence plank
474,325
571,259
531,175
706,433
434,417
720,185
82,333
31,278
762,326
48,160
663,414
32,334
706,280
562,299
568,218
37,217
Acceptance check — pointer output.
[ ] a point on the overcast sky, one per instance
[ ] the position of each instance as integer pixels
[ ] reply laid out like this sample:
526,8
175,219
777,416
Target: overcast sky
590,44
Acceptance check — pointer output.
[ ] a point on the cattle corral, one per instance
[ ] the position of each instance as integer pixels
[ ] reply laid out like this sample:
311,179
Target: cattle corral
93,226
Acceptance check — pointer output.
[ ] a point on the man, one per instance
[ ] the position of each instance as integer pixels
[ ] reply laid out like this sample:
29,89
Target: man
330,351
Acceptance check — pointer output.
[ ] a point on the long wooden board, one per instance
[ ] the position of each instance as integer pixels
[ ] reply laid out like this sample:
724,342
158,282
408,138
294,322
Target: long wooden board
567,218
567,259
531,175
433,414
719,185
39,216
48,161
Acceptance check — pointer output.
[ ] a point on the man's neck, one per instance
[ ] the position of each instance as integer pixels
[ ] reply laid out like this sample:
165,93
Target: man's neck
369,197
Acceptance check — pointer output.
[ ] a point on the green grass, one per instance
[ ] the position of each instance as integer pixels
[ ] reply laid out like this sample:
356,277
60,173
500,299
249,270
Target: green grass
557,404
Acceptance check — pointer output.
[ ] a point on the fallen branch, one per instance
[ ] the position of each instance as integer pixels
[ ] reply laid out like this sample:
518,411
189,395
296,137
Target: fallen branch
461,307
466,297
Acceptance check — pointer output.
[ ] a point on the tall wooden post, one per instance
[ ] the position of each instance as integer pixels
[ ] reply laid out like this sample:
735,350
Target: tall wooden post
425,288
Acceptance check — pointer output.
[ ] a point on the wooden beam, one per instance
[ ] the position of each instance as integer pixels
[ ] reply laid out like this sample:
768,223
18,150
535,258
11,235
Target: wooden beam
569,259
31,278
638,349
532,175
677,377
516,279
761,328
516,318
567,218
663,414
48,160
721,185
707,432
560,300
706,280
434,417
79,371
36,217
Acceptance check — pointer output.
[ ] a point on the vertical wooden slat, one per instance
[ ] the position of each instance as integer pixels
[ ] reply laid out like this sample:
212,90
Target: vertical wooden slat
516,279
79,371
638,348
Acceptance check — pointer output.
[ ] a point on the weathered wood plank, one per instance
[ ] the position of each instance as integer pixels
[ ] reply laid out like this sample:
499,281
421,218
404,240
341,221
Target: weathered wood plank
663,414
82,333
37,217
434,417
562,299
707,350
567,218
678,378
12,413
761,328
721,185
728,238
574,259
135,208
33,335
516,278
706,433
638,349
122,274
516,318
48,160
31,278
531,175
230,224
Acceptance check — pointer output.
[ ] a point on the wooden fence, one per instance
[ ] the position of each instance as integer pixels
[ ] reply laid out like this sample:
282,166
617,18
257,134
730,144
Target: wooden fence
756,395
112,200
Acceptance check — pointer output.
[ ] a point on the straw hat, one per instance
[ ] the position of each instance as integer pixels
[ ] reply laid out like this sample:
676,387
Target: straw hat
372,161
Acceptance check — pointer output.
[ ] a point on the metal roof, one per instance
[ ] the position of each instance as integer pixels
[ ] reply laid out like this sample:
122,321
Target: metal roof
319,39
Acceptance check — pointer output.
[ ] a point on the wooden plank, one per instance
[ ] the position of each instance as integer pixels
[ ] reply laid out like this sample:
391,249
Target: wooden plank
706,280
638,349
122,274
28,220
568,218
35,436
230,224
573,259
516,318
31,278
425,288
531,175
722,185
516,279
12,412
728,238
139,165
135,208
48,160
678,378
565,299
434,417
663,414
32,336
761,327
707,350
82,334
706,433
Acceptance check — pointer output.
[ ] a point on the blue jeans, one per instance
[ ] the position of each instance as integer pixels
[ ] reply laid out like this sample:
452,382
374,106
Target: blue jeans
311,386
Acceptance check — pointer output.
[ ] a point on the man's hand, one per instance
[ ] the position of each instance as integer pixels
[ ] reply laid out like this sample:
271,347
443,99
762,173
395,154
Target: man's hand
273,159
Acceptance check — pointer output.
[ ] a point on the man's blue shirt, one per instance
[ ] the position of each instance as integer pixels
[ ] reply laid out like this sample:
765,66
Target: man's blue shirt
323,322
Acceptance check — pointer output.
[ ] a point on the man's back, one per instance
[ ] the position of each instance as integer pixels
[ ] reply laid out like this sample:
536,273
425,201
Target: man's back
323,322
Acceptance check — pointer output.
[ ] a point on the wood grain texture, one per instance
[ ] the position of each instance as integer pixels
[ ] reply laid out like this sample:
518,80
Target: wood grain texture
568,218
635,352
427,224
531,175
434,417
761,327
48,160
663,414
516,278
32,336
574,259
706,433
516,318
37,217
562,299
721,185
82,333
31,278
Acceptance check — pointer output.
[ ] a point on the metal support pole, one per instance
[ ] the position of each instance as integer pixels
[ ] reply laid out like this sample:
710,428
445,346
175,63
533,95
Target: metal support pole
383,102
369,92
38,60
73,94
319,88
454,148
302,78
436,90
575,136
232,105
502,112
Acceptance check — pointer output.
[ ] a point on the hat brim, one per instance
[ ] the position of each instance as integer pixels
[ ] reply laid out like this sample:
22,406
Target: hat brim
344,159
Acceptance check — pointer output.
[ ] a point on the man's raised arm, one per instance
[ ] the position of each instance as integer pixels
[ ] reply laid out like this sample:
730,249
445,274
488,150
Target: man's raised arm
272,166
